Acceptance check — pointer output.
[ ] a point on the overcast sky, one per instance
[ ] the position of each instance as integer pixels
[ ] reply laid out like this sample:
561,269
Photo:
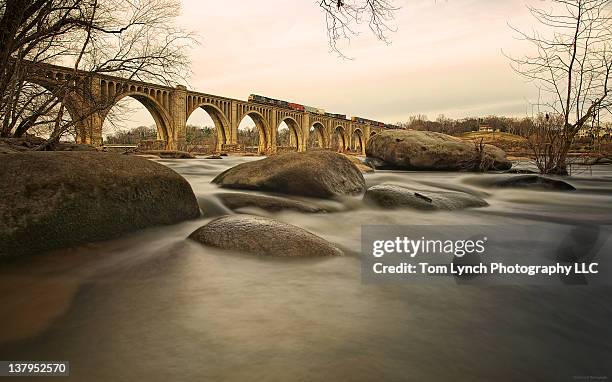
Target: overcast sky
445,58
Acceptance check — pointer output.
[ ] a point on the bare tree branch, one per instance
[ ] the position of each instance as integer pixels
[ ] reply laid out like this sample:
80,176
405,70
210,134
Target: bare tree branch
343,16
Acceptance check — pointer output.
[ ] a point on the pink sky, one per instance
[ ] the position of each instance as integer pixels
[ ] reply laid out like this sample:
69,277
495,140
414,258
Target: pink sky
445,58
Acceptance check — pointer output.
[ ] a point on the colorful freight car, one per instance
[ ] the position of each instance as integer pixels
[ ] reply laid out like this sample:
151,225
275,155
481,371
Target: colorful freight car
287,105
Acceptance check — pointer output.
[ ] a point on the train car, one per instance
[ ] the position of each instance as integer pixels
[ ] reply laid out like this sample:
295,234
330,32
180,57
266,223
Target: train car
368,122
310,109
339,116
320,111
360,120
296,106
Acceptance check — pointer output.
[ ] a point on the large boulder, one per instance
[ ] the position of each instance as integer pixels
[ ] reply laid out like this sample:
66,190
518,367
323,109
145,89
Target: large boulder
320,174
58,199
392,196
427,150
262,236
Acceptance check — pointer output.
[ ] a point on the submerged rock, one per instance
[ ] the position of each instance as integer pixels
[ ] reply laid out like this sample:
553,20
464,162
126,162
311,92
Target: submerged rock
378,164
320,174
169,154
262,236
427,150
58,199
391,196
520,171
236,200
536,182
362,166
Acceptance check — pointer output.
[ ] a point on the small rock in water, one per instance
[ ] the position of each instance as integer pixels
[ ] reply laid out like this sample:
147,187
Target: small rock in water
520,171
362,166
213,157
392,196
536,182
262,236
378,164
170,154
236,200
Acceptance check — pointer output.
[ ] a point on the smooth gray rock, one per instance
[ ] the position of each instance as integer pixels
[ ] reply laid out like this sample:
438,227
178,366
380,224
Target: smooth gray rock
319,174
427,150
535,182
58,199
392,196
262,236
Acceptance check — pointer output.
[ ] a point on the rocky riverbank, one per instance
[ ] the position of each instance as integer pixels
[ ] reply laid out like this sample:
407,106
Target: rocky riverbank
59,199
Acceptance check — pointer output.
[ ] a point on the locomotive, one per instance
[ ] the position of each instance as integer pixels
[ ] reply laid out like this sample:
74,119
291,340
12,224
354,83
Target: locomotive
368,121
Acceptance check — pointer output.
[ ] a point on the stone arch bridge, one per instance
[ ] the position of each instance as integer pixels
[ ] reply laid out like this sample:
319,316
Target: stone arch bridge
91,96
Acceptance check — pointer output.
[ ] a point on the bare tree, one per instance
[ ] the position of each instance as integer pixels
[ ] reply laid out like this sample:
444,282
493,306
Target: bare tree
343,16
131,39
571,66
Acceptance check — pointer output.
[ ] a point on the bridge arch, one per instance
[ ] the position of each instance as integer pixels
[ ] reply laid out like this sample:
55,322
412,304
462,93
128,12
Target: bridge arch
222,125
358,141
262,127
157,111
316,136
295,132
72,102
339,139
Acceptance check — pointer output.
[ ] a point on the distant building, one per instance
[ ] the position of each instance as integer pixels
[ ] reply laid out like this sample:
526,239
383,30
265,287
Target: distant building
485,129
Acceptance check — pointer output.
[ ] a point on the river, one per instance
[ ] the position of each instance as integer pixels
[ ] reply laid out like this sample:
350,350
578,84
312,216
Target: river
153,306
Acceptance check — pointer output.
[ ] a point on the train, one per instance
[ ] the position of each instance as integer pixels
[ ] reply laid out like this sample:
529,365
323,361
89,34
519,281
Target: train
296,106
287,105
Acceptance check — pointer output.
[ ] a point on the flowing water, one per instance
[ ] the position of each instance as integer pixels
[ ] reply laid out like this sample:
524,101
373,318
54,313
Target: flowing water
154,306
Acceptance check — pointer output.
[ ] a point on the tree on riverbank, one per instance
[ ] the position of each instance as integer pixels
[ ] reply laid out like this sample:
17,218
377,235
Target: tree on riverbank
571,65
132,39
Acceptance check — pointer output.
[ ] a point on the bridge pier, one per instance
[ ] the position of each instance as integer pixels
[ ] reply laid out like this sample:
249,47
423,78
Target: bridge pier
178,118
305,130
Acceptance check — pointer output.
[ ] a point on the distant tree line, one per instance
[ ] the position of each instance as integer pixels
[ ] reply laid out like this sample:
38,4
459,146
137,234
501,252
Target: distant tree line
443,124
194,135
